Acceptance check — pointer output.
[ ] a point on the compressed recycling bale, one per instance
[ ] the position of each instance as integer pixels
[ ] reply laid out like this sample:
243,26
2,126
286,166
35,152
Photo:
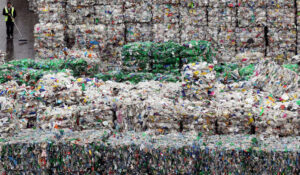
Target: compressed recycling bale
193,16
194,3
138,12
282,42
278,123
235,121
165,13
192,32
194,51
166,32
51,12
253,3
80,15
138,32
281,18
222,4
89,36
176,2
225,54
198,80
227,37
49,35
212,36
136,56
251,17
218,17
252,37
109,14
280,3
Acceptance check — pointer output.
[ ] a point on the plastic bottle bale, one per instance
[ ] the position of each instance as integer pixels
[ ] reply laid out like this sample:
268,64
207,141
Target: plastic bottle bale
109,14
222,4
80,14
138,12
249,58
198,80
138,32
278,123
283,18
218,17
206,123
199,50
166,32
250,39
280,4
225,54
249,16
282,43
212,36
253,3
161,118
51,12
174,2
193,16
194,3
235,121
192,32
165,13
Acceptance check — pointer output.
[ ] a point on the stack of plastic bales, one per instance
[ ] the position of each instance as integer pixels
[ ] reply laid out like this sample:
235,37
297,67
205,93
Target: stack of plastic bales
138,18
221,24
49,33
193,20
166,15
282,29
97,26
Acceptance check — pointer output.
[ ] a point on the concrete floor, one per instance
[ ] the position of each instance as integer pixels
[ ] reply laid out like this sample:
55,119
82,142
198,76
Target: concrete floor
25,20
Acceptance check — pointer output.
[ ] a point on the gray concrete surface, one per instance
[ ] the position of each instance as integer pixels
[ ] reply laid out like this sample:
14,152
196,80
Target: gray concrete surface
25,21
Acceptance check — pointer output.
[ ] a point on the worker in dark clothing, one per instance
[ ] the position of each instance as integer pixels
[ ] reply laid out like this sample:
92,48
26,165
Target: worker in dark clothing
10,14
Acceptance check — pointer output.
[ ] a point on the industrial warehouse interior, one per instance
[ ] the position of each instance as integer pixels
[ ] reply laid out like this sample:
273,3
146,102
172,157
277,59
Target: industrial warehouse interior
149,87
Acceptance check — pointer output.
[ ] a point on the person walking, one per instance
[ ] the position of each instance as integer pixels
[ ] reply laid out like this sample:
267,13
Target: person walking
10,14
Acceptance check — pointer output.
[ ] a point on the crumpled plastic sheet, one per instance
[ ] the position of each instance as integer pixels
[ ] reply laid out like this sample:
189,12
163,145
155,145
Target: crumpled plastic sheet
275,79
218,17
97,151
138,12
109,14
248,17
166,32
165,13
138,32
281,18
